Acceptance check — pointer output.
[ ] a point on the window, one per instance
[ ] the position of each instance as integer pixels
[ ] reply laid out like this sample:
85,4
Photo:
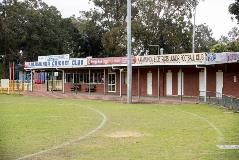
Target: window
77,78
124,77
92,77
112,82
95,77
69,77
82,78
99,77
86,77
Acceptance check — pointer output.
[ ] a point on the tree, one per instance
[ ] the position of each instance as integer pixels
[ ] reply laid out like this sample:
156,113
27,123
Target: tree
91,32
223,39
35,28
226,47
163,22
229,43
12,33
203,38
234,9
233,35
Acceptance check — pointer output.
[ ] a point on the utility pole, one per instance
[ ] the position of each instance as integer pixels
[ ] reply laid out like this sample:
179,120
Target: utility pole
129,67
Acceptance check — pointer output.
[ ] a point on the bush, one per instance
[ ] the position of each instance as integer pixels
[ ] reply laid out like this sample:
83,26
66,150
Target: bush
226,47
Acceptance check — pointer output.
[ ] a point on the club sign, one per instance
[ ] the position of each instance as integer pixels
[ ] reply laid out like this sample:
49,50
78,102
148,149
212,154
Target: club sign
172,59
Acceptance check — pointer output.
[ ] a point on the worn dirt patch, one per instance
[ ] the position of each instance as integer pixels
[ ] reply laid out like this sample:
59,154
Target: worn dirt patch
125,134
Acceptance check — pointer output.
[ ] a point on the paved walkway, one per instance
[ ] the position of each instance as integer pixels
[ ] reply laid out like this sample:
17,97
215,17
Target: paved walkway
123,99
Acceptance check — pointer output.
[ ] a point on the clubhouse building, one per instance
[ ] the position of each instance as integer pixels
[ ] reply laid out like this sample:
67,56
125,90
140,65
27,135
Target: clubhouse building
189,75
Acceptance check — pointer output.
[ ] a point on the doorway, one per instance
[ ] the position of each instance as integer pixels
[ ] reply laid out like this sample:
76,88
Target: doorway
219,84
169,83
180,83
149,83
202,87
112,82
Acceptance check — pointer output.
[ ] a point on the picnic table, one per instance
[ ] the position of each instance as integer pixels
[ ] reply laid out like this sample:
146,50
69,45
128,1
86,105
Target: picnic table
76,87
92,88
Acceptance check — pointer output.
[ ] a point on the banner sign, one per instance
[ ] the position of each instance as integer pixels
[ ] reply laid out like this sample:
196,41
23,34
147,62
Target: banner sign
63,61
51,58
172,59
220,58
232,57
72,63
110,61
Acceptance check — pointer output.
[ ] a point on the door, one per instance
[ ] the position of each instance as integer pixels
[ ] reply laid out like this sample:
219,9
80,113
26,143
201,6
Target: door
169,83
202,88
149,83
111,82
219,84
180,82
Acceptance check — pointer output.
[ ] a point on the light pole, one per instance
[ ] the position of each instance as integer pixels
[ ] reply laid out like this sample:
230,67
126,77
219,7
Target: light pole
194,6
194,23
194,28
129,67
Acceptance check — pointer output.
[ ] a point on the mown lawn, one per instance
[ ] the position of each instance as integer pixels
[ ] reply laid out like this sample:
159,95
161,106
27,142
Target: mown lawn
132,132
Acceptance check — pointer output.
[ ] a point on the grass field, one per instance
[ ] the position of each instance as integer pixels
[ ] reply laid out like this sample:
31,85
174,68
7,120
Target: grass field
98,130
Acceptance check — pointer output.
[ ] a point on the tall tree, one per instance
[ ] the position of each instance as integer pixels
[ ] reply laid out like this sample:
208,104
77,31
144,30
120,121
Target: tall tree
35,28
203,38
162,22
91,31
12,33
233,35
234,9
229,43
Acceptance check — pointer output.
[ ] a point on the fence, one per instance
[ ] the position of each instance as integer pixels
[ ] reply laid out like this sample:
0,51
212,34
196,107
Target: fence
55,85
229,102
15,87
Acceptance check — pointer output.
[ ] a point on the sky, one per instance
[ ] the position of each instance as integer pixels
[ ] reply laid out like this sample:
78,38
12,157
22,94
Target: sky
212,12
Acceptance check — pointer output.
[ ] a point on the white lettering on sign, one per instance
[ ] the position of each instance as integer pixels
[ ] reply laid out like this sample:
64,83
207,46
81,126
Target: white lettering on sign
220,58
72,63
172,59
63,57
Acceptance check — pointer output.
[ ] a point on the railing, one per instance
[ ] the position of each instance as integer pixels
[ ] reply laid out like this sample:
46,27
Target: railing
55,85
220,99
16,87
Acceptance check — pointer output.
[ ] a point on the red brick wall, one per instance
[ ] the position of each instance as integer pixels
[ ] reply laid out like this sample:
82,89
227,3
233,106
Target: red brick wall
211,79
163,83
68,86
230,87
40,87
191,81
143,81
175,82
134,83
99,87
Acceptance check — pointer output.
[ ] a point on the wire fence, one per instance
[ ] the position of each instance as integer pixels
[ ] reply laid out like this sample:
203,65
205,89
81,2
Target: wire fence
220,99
